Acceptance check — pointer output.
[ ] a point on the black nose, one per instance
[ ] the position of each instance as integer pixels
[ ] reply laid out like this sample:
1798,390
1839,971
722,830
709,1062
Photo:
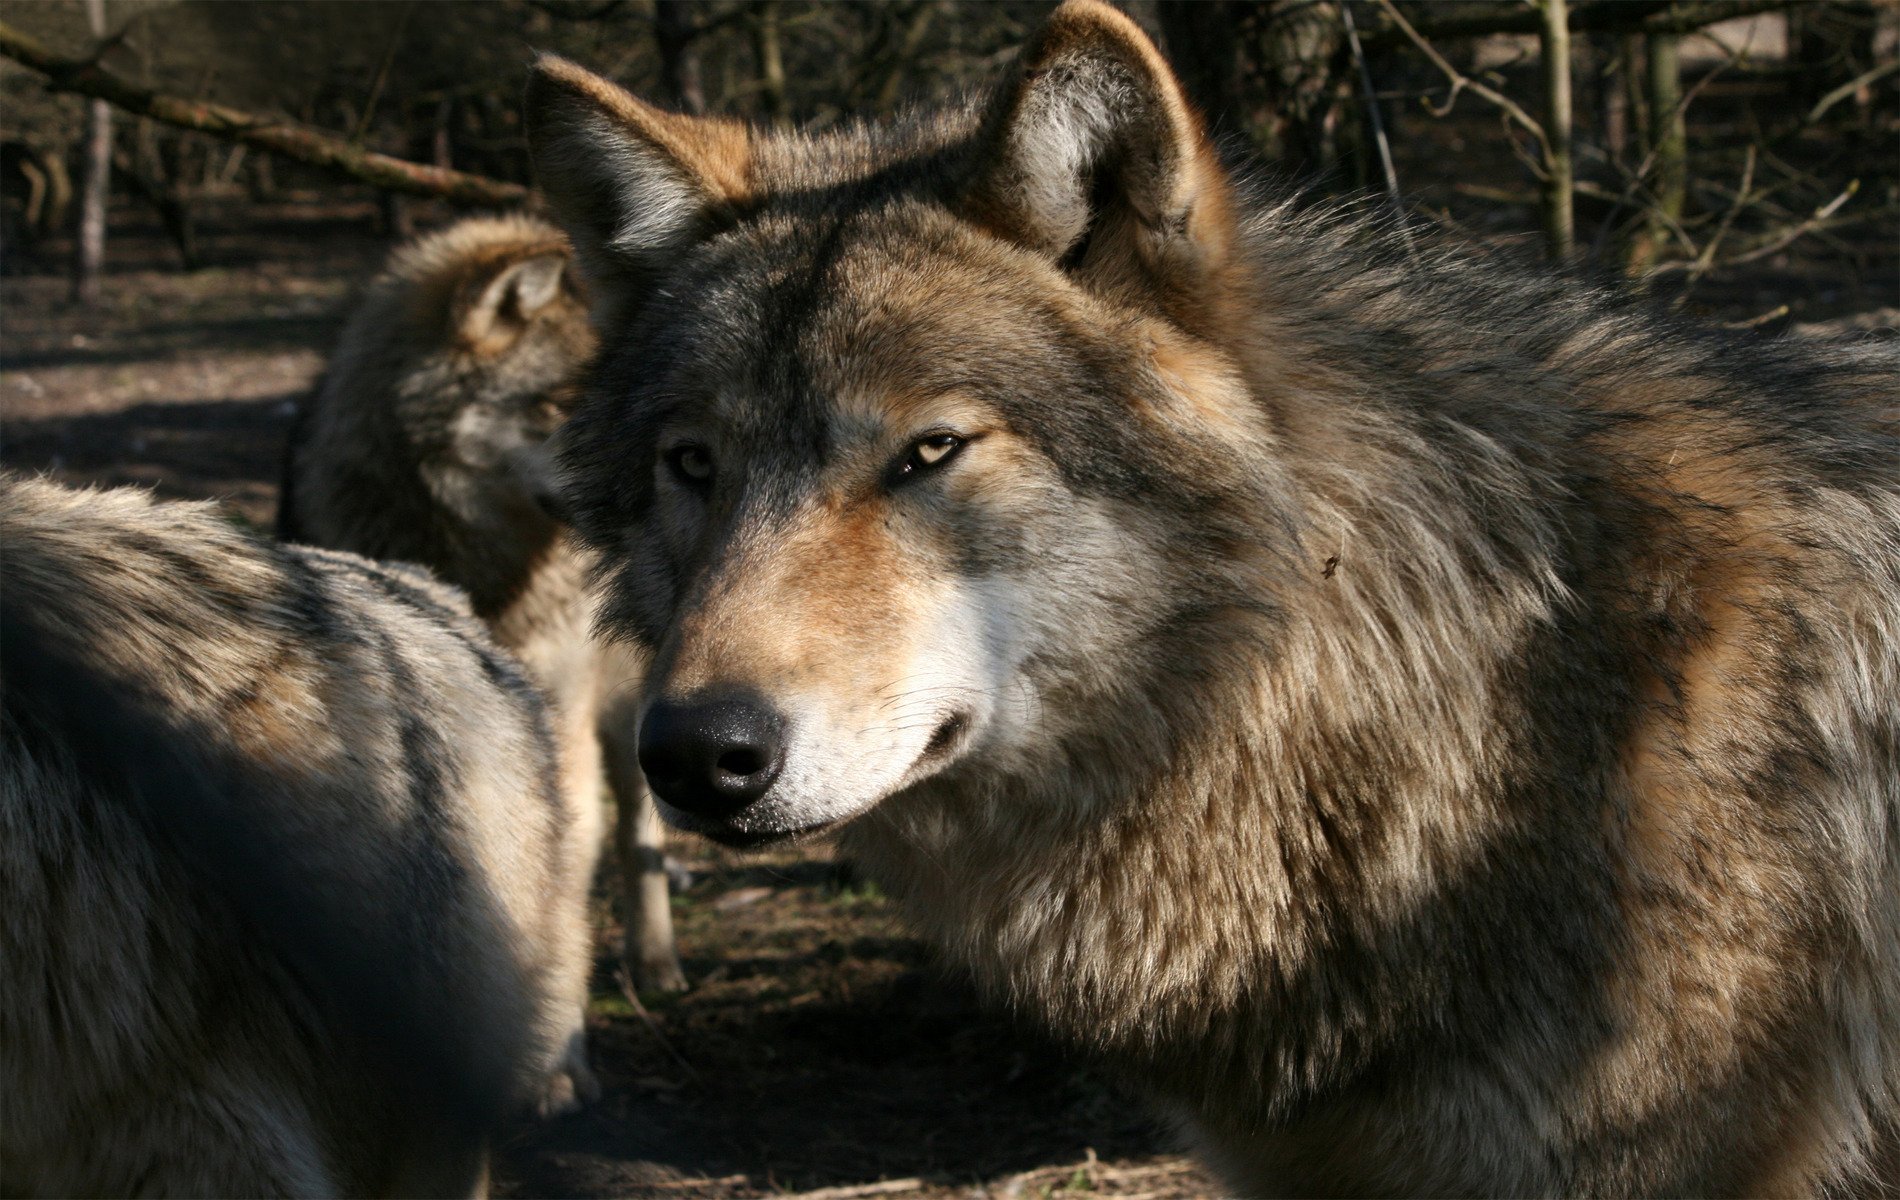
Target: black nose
711,759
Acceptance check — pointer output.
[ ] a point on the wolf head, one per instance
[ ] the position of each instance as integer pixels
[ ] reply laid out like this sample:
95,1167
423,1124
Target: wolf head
910,446
487,326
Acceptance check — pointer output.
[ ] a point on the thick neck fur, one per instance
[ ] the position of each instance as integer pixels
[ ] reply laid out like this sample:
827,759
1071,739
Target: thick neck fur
1371,801
1287,734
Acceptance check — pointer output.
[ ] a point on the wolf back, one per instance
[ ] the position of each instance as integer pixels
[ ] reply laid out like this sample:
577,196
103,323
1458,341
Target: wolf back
279,870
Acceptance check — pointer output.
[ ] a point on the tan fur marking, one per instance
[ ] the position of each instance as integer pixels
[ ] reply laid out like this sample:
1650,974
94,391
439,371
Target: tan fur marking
717,152
1206,380
827,604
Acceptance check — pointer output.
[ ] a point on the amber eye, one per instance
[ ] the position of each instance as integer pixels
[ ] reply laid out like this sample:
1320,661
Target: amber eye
691,464
926,454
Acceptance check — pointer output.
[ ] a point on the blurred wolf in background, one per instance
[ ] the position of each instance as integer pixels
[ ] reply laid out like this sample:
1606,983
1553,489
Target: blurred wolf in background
1434,726
424,444
285,904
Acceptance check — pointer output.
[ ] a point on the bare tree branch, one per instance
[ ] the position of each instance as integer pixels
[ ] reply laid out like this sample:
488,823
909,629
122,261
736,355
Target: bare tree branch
1849,88
319,149
89,246
906,55
1705,261
579,10
1603,16
382,75
1461,81
1822,218
674,33
1378,128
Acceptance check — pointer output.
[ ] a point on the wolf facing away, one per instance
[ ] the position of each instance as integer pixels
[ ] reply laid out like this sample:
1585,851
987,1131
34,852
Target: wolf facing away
1432,725
424,444
288,911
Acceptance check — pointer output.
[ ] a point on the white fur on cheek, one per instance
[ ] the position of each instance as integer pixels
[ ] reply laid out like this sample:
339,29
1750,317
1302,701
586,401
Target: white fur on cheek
846,753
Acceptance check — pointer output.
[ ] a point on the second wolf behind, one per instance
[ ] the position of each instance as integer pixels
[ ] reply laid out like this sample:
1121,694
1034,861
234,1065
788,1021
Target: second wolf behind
423,445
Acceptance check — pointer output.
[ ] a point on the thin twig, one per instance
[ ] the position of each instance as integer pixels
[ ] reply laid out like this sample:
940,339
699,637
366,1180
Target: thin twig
1822,218
382,74
1603,16
1378,131
1635,180
632,997
1460,81
883,1187
1849,88
1773,314
1705,260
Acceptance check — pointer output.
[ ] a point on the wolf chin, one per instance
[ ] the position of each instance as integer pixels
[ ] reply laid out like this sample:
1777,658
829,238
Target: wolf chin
425,443
1430,725
287,908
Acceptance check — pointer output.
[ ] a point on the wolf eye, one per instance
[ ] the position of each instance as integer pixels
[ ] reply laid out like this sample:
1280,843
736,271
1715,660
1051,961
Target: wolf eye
926,453
691,464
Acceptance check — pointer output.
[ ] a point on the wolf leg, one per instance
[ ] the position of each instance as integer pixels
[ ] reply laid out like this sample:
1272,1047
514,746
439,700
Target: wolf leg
651,958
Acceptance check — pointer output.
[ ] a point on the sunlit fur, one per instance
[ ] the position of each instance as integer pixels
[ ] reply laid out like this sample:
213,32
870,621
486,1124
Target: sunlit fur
426,443
285,907
1431,724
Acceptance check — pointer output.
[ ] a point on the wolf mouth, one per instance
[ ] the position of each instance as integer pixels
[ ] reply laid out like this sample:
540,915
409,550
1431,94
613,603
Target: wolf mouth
751,839
946,738
737,839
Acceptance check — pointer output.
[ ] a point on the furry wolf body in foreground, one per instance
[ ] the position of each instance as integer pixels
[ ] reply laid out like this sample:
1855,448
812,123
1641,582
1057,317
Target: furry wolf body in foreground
1435,727
422,445
287,905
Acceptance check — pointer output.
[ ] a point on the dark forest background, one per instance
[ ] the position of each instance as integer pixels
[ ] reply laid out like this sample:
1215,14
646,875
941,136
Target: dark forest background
1669,142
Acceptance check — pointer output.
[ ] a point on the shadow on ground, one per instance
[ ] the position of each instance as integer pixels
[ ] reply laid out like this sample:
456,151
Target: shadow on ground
224,449
820,1049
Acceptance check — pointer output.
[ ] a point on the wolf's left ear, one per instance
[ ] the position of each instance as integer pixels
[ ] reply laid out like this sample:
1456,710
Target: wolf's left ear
633,184
1092,154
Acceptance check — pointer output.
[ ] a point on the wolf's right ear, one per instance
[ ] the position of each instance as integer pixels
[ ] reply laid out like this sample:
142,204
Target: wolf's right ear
633,184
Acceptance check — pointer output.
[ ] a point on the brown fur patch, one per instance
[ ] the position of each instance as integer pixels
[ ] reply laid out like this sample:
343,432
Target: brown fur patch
716,152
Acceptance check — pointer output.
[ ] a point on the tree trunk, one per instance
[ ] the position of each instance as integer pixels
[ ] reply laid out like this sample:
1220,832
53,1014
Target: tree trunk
1670,146
675,31
771,62
1201,43
1636,94
906,56
1559,227
1304,69
89,247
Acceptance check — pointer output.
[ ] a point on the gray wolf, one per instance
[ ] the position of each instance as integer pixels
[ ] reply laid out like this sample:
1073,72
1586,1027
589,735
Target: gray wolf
288,910
1434,726
425,444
